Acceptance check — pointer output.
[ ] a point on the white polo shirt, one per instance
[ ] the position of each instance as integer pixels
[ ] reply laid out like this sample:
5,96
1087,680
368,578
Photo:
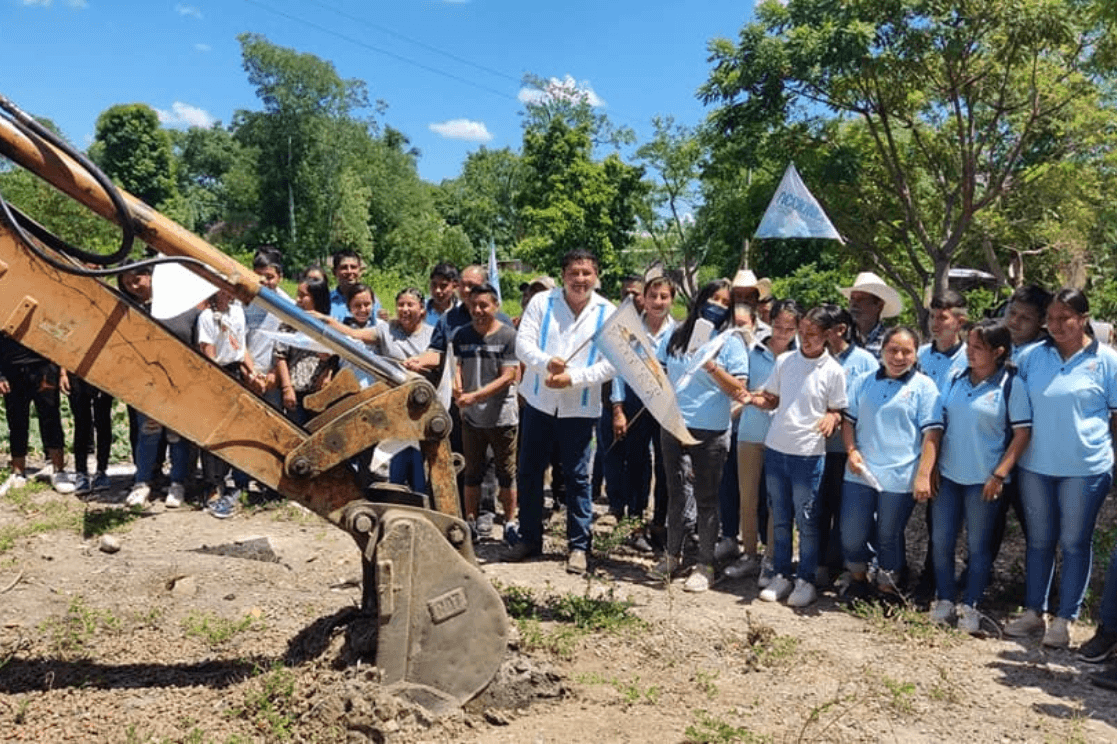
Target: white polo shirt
890,416
548,329
1072,402
978,422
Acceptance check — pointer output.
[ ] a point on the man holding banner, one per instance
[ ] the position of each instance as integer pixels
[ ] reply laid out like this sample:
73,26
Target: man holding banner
562,390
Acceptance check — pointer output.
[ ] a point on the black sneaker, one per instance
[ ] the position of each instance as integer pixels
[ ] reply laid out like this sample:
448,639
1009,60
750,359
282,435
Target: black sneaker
1100,647
522,551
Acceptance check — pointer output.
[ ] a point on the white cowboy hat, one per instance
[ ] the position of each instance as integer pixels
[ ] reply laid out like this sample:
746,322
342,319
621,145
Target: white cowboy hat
870,283
745,279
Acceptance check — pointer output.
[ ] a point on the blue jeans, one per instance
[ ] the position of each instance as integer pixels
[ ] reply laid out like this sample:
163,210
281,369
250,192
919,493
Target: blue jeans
793,482
892,510
147,449
1060,512
539,432
953,503
407,468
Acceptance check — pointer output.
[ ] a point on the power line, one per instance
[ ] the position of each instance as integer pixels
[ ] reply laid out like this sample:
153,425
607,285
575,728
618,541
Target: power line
384,52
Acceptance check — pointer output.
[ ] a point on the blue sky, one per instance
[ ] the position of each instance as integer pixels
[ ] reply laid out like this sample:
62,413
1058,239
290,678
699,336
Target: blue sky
450,70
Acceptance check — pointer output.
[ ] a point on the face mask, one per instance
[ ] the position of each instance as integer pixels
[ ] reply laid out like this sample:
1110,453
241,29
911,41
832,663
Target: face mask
714,313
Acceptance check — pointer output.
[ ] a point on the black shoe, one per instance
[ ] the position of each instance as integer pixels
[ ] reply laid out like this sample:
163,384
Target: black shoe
522,551
641,544
858,591
657,536
1106,679
1100,647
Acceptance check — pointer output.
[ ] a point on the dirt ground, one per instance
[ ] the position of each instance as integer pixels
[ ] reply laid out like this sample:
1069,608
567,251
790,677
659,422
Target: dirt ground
171,639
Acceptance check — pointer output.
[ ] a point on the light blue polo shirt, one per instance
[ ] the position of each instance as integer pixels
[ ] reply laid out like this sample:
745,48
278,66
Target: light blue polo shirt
1018,351
339,308
890,416
855,362
1072,402
941,366
753,424
702,402
978,423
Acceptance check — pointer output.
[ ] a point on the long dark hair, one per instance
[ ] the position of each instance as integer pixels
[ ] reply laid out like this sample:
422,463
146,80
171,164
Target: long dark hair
319,291
842,316
680,339
995,334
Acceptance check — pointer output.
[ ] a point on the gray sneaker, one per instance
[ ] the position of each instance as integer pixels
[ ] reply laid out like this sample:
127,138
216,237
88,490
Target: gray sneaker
1100,647
969,620
746,565
576,562
700,579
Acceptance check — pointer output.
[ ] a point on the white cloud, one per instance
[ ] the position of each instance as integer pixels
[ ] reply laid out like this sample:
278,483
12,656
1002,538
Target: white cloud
202,47
76,4
567,89
462,129
188,10
185,115
41,3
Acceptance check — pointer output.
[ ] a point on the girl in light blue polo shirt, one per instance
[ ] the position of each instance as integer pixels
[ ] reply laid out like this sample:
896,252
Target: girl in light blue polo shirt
1065,474
987,422
706,381
752,428
890,411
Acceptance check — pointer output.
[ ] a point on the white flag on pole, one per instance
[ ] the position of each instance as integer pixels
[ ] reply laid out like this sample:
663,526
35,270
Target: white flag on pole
624,342
494,273
795,213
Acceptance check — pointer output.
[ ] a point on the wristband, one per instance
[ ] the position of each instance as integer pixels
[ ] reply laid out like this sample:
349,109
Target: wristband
998,478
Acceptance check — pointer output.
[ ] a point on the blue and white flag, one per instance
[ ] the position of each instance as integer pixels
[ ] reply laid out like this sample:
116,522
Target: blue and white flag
494,273
795,213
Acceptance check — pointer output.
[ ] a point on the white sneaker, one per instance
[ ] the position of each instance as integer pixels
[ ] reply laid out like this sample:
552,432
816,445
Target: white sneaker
1028,623
62,483
175,495
700,579
803,595
942,611
969,620
17,480
1058,633
767,573
779,589
138,495
746,565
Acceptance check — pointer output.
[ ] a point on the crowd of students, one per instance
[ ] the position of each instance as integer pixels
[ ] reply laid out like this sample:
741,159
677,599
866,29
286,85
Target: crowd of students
822,422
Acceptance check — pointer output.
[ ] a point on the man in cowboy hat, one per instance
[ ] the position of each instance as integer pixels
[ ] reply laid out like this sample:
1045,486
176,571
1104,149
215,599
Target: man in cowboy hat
748,289
870,299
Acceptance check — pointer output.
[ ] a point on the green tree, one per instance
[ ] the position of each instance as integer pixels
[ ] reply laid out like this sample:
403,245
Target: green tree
133,149
482,200
304,138
957,107
569,201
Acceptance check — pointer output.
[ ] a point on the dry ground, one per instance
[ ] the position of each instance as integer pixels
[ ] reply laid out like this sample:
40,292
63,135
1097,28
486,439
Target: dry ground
168,640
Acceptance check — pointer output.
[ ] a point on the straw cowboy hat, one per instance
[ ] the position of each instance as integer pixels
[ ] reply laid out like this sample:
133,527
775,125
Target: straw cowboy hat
745,279
870,283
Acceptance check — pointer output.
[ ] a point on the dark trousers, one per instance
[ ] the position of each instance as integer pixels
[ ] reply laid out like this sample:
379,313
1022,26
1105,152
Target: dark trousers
92,410
33,384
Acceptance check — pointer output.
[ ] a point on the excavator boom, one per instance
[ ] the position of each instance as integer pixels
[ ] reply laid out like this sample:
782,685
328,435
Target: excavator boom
441,625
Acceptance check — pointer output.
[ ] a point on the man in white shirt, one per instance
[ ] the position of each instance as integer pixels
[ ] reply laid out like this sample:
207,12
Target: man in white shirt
562,390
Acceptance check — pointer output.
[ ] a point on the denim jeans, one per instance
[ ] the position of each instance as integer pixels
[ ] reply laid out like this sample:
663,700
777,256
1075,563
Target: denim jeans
694,469
892,510
147,449
539,432
954,503
1060,512
408,469
793,482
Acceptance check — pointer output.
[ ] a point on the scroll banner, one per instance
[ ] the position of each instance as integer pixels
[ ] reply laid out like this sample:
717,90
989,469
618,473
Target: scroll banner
624,342
795,213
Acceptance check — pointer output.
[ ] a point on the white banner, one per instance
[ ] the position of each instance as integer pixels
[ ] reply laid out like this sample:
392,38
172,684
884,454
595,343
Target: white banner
795,213
624,342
